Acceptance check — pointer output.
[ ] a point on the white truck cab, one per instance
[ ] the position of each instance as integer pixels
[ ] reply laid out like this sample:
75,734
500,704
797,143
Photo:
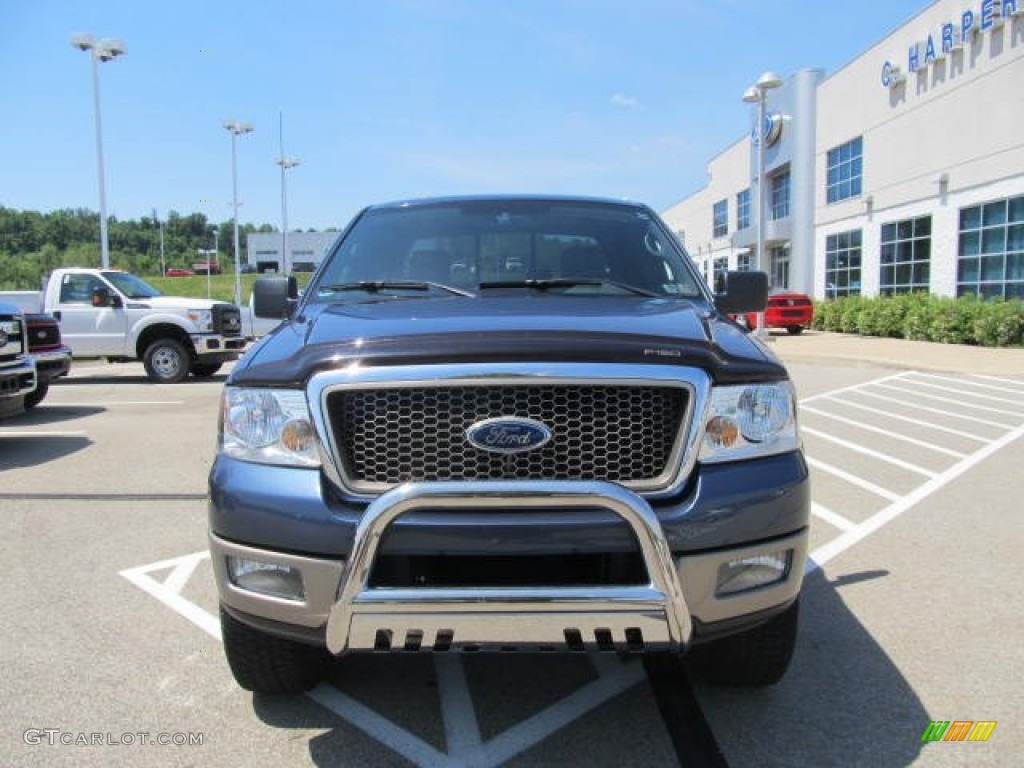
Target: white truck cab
114,314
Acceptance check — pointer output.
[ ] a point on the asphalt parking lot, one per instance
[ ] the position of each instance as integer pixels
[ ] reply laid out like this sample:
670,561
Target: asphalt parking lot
910,610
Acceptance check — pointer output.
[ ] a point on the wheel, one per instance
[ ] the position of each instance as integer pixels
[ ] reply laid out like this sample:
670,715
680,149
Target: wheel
167,361
205,370
751,659
36,397
794,330
266,664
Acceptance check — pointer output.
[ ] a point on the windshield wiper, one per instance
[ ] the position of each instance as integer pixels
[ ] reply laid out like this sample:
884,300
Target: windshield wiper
566,282
376,286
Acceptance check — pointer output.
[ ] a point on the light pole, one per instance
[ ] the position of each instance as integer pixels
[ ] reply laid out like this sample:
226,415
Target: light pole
106,49
236,128
757,94
285,162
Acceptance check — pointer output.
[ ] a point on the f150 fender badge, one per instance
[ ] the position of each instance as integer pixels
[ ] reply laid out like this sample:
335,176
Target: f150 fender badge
508,434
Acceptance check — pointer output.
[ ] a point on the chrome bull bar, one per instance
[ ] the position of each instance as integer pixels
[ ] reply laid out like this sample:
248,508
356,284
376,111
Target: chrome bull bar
626,617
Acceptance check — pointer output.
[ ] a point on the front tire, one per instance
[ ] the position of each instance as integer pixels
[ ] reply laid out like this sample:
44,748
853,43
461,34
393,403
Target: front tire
751,659
794,330
263,663
167,361
34,398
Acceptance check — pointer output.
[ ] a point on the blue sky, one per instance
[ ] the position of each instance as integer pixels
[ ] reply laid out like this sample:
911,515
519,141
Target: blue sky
388,99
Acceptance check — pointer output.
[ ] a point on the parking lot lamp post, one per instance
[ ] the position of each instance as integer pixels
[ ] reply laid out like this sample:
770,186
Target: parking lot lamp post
285,163
757,94
236,128
99,50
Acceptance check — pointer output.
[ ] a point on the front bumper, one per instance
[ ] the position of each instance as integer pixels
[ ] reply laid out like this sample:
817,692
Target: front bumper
683,548
18,379
214,348
53,363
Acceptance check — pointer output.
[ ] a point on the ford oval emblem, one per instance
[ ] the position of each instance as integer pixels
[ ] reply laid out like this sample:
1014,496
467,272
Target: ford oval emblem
508,434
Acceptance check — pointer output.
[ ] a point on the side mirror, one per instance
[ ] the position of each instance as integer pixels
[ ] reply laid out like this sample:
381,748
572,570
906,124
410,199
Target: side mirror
744,292
274,297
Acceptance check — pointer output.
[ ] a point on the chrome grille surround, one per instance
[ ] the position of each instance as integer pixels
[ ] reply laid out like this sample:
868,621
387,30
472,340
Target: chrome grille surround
593,384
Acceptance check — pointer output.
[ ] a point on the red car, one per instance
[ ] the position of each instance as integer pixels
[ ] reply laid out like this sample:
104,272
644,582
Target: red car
178,272
792,311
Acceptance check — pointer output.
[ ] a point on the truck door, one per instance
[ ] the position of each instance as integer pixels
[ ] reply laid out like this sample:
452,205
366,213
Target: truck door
90,331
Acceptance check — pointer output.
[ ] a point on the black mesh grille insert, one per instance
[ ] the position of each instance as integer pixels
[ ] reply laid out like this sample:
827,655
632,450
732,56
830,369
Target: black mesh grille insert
608,432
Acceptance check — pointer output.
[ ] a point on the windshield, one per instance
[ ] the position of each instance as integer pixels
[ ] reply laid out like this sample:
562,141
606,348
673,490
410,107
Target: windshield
487,246
131,286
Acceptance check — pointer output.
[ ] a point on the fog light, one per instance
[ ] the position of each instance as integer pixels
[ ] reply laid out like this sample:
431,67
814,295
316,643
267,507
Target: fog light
266,578
753,572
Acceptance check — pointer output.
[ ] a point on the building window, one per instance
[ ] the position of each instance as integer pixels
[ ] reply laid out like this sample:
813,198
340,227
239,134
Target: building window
744,262
780,267
743,209
991,252
720,219
906,256
842,264
721,270
780,196
845,169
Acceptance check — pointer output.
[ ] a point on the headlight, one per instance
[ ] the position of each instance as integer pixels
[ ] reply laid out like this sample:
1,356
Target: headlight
203,319
749,421
267,426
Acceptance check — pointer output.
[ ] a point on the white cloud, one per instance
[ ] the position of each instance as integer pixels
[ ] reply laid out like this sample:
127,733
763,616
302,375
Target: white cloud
626,102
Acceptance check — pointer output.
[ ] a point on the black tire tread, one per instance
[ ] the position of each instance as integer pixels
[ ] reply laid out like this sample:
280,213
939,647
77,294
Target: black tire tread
263,663
753,659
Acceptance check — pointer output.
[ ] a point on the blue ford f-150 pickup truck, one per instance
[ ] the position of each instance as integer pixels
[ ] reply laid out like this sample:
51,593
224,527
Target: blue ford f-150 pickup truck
508,423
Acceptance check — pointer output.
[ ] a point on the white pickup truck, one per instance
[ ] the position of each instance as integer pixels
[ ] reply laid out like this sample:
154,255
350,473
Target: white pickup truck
114,314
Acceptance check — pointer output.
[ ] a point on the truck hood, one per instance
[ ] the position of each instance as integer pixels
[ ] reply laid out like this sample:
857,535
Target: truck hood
537,328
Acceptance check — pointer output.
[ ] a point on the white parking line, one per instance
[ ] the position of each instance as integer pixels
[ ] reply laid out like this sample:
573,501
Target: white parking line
909,420
1000,379
960,403
830,517
851,388
1013,390
860,482
880,431
5,432
861,531
106,403
968,392
919,407
864,450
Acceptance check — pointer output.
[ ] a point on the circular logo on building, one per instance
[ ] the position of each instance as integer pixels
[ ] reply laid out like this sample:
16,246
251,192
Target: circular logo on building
508,434
772,129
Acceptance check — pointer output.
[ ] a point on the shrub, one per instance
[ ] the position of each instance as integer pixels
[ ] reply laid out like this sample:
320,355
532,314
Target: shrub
918,316
1000,325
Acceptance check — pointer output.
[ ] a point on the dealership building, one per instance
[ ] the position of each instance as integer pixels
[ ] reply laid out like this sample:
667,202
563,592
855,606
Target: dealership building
265,251
902,171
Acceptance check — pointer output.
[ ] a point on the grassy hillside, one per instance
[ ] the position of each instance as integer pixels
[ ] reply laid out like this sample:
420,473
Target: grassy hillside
221,288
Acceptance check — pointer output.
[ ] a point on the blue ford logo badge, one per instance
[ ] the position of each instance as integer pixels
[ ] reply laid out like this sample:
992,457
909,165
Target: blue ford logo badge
508,434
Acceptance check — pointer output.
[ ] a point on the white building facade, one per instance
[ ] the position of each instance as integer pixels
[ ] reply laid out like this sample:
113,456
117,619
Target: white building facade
265,250
903,171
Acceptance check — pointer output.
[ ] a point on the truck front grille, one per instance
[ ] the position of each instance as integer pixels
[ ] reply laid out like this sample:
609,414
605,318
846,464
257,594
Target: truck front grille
227,320
623,433
43,335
